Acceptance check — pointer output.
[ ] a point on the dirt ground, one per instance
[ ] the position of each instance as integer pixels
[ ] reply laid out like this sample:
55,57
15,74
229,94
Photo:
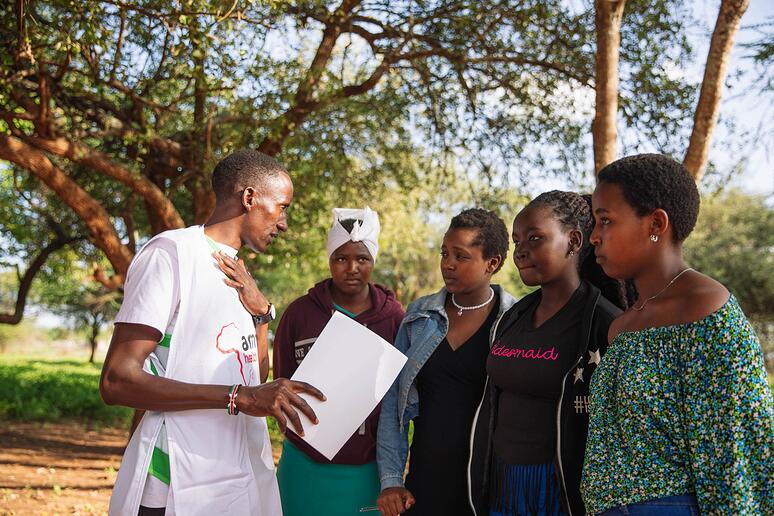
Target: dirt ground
58,468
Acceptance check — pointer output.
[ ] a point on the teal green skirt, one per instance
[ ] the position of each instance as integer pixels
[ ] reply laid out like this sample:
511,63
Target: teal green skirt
308,488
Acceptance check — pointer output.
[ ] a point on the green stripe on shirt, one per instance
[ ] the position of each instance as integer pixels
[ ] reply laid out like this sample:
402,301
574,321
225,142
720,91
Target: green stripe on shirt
166,340
159,465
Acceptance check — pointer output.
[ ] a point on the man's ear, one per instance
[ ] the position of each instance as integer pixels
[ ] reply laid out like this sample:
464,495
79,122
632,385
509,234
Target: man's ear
249,198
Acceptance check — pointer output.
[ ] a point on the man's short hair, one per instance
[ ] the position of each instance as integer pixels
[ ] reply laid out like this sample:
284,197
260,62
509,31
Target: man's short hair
241,169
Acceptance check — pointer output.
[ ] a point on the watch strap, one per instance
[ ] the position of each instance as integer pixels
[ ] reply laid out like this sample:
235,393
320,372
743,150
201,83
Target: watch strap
264,318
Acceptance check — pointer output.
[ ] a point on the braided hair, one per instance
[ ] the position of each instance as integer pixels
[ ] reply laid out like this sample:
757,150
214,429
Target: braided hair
573,212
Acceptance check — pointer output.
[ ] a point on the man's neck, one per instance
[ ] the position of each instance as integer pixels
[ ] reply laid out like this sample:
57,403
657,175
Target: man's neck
224,230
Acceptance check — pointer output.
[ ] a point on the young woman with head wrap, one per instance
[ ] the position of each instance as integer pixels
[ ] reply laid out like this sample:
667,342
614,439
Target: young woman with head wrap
309,483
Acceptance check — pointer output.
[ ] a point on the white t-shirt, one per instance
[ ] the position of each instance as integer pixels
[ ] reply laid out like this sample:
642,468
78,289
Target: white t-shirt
152,298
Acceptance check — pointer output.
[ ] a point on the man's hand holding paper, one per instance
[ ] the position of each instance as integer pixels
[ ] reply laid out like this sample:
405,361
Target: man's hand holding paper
354,367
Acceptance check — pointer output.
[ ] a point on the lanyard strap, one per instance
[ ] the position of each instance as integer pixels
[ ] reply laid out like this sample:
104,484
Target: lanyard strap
212,243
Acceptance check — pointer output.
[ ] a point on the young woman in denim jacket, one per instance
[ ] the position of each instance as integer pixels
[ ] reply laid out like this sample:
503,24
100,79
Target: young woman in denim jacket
447,337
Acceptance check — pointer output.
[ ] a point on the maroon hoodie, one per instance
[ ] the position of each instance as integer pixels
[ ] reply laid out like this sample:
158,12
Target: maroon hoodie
301,324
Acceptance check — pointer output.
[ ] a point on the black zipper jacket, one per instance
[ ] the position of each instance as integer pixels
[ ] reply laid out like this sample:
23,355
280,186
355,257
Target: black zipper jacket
572,412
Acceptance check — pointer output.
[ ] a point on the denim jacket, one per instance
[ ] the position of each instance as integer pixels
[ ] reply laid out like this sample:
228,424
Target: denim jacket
423,328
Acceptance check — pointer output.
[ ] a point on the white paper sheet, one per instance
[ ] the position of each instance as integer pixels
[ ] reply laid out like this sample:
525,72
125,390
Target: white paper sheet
354,368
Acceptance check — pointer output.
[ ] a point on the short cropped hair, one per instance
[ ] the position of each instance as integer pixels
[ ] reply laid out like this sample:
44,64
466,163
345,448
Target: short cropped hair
653,181
492,234
241,169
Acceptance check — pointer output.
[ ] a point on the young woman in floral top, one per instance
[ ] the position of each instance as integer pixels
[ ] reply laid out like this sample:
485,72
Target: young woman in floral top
681,414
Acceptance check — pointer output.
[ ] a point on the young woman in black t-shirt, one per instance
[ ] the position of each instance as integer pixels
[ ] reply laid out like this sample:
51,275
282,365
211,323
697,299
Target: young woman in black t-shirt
539,367
446,337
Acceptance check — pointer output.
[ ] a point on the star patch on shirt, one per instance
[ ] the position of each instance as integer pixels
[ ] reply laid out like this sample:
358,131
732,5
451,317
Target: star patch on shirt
594,357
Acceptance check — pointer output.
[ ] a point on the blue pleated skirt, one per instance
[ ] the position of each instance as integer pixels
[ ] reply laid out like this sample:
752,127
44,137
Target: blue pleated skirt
524,490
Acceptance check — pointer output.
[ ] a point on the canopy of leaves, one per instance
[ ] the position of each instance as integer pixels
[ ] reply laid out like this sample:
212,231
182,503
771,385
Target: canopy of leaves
400,105
734,243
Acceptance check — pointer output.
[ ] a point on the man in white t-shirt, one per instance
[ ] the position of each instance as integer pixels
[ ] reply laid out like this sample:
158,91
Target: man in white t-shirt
185,350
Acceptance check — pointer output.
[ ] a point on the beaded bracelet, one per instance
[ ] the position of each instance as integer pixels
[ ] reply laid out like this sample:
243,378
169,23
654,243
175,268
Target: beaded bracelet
231,408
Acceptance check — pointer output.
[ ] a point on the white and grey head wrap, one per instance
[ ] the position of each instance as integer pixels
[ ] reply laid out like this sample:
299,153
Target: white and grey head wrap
366,229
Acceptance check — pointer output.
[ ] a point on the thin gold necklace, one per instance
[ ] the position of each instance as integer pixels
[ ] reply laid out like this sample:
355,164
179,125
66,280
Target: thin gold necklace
662,290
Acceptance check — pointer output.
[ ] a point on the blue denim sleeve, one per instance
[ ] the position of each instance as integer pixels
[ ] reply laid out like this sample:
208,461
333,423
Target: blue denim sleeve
391,441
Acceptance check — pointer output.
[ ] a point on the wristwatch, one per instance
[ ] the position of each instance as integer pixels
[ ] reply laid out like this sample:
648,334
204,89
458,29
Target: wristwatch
265,318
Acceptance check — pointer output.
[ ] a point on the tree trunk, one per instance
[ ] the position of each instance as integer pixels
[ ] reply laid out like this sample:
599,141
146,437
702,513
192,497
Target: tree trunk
136,418
262,335
94,216
203,199
93,339
200,185
603,128
706,117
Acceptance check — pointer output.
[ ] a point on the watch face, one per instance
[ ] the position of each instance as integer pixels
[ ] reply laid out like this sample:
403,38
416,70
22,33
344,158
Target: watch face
272,312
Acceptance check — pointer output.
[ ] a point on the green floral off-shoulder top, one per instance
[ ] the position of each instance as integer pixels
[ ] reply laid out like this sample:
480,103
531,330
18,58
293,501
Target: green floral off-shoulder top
683,409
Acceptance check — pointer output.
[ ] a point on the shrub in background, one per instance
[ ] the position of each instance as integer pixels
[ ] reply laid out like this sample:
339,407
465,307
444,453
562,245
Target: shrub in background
49,390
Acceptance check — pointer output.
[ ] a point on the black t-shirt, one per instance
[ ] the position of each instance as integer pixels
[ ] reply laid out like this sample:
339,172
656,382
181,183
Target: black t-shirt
527,364
450,385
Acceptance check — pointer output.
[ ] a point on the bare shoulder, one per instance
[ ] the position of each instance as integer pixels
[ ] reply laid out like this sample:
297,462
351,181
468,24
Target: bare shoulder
701,296
619,325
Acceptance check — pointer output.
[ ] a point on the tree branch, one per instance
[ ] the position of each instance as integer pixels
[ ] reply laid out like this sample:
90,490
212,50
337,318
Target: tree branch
26,280
94,216
119,44
23,51
139,184
304,103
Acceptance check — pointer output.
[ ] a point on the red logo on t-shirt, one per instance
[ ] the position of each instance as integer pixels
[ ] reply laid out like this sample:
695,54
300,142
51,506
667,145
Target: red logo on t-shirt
230,333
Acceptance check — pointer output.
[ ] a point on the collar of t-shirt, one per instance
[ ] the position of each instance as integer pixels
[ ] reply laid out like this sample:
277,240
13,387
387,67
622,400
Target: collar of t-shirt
227,249
217,246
